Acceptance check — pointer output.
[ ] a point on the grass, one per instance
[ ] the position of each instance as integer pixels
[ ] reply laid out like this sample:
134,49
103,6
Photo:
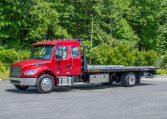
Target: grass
4,75
162,71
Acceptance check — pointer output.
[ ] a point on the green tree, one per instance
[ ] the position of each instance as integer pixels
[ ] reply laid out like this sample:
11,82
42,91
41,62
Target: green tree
144,17
24,22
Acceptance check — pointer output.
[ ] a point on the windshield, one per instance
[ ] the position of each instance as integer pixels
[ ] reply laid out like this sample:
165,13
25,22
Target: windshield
41,52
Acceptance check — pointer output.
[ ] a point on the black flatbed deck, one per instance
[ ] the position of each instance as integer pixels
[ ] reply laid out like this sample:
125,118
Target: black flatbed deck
119,68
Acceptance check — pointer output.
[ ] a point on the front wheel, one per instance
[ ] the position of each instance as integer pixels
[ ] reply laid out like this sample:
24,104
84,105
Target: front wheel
19,87
45,84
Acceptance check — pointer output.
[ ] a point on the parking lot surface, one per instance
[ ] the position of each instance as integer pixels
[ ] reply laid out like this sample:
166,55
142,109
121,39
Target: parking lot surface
146,101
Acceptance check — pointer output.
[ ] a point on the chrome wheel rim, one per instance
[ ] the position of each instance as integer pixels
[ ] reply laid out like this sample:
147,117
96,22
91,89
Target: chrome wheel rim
132,79
46,84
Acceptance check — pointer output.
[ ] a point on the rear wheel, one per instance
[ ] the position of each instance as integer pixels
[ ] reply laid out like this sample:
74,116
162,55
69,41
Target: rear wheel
122,77
128,79
19,87
45,83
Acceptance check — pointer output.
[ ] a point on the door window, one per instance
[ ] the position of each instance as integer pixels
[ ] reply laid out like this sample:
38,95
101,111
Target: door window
61,52
75,51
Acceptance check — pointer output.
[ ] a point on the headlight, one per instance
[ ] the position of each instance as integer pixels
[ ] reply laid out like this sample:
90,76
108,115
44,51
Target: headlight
30,72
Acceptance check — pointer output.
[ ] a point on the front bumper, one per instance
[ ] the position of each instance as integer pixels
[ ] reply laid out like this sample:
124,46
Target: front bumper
23,81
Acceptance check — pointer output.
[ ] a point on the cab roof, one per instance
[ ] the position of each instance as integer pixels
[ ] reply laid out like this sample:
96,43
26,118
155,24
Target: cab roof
59,41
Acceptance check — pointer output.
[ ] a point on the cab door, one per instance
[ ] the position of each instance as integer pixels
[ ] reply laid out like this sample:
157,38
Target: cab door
76,60
63,60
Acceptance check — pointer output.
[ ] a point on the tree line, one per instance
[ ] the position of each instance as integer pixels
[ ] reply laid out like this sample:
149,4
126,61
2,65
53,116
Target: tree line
139,24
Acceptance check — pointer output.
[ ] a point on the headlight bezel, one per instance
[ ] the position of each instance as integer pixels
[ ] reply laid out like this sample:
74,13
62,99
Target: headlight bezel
30,72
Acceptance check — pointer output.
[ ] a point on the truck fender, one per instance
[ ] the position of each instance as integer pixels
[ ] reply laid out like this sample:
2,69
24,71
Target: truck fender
50,72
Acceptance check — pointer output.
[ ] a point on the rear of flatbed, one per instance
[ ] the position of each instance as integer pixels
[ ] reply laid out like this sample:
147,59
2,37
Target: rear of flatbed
128,76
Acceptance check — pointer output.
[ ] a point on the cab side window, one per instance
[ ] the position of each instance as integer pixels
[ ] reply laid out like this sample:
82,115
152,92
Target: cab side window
75,51
61,52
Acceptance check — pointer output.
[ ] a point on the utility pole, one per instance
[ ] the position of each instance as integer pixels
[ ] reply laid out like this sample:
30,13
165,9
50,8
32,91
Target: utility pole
91,38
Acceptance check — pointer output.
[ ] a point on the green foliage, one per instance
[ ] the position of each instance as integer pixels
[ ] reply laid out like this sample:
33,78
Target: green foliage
144,58
128,32
10,56
2,67
25,22
162,71
163,61
145,17
141,23
4,74
22,55
122,54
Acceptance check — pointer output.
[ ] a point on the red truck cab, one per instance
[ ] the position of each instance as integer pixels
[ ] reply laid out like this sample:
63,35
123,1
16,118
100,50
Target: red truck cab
50,59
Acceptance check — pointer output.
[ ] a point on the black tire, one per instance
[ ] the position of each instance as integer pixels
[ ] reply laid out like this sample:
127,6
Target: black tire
122,77
40,85
129,79
110,81
19,87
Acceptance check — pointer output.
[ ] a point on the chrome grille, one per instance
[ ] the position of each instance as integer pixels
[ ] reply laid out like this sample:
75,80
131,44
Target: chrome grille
16,71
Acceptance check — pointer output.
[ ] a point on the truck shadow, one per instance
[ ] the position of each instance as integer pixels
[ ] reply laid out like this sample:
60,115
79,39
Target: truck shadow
74,88
28,91
94,87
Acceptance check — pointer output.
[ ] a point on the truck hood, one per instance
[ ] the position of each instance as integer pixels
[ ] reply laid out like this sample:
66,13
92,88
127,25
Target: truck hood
29,63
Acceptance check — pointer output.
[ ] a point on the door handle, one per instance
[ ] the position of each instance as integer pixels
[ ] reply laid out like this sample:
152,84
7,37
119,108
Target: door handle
68,66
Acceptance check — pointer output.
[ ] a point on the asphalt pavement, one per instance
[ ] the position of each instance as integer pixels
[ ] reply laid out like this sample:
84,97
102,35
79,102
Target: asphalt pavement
146,101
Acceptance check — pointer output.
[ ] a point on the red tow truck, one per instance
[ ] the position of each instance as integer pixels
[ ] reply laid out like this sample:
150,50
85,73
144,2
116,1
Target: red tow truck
61,63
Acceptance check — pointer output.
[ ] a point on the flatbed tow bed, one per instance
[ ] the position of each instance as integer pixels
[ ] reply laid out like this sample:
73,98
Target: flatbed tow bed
119,68
128,76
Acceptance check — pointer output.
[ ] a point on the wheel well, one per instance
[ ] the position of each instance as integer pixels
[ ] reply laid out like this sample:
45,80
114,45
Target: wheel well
49,73
116,76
